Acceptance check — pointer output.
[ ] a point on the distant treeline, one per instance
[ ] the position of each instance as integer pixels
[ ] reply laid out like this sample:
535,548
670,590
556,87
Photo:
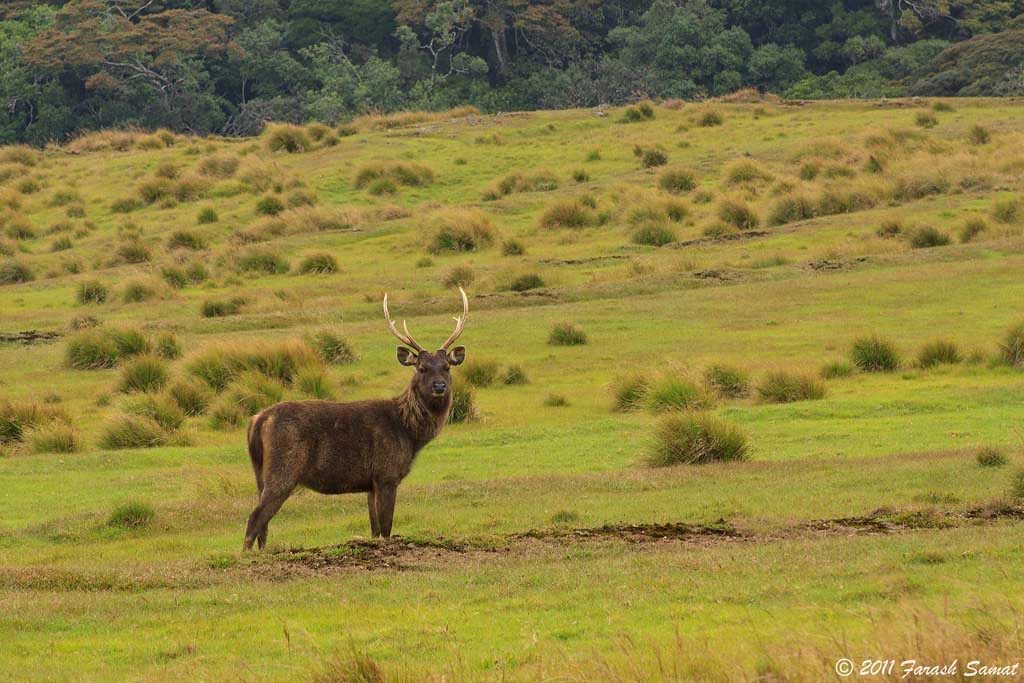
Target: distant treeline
227,66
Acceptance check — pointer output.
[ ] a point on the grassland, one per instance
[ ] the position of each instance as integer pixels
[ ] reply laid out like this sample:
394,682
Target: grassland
860,523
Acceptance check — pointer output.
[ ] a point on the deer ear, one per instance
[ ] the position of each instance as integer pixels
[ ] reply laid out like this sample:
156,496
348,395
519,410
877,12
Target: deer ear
457,355
406,356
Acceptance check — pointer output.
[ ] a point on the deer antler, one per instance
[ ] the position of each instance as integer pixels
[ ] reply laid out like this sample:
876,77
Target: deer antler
460,321
406,338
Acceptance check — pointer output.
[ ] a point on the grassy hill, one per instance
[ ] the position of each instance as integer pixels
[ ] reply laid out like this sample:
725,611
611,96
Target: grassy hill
725,258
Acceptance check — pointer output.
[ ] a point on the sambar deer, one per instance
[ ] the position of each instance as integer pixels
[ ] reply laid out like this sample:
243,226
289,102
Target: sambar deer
363,446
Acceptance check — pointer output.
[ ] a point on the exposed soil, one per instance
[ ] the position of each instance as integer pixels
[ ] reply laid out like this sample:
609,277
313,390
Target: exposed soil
582,261
636,533
28,337
732,237
835,264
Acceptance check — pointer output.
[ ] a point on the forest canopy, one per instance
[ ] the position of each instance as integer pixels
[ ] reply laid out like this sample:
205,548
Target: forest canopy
229,66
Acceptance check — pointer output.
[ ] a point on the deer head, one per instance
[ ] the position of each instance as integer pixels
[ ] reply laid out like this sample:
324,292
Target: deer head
433,369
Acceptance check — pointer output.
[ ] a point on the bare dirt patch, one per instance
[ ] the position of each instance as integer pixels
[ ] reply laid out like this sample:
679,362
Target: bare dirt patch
28,337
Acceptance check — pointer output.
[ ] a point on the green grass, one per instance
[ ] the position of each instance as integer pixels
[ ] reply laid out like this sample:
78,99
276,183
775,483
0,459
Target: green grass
167,598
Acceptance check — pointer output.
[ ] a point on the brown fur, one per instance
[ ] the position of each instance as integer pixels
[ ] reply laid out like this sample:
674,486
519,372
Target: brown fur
365,446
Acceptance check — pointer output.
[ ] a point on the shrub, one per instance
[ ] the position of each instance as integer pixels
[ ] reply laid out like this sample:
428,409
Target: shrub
526,282
979,135
653,234
132,431
220,308
462,230
972,229
727,381
792,207
463,403
695,439
787,387
568,214
92,292
14,272
555,401
937,353
567,334
167,346
1011,351
91,350
333,348
480,373
836,369
54,438
313,382
145,373
1009,210
926,237
226,414
288,138
515,375
191,397
163,410
652,158
629,392
988,456
318,264
673,393
262,261
459,276
735,212
132,515
185,239
513,248
709,119
874,354
678,181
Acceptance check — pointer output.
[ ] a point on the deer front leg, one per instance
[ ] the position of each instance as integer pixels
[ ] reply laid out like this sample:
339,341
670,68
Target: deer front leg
371,504
385,494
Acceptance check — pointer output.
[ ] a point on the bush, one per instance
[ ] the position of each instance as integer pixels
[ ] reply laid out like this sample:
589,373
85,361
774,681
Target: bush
1011,351
513,248
318,264
927,237
972,229
91,350
524,283
926,120
163,410
463,403
92,292
480,373
727,381
629,392
1009,210
191,397
567,334
651,158
220,308
735,212
132,431
333,348
836,369
167,346
134,292
787,387
515,375
694,439
938,353
185,239
791,208
145,373
132,515
260,261
673,393
462,230
988,456
287,138
313,382
55,438
979,135
678,181
874,354
653,234
14,272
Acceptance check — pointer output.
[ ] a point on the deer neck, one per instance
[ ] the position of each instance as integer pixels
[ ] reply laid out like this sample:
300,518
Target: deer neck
424,418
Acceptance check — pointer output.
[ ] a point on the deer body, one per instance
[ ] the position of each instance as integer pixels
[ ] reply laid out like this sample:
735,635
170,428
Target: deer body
363,446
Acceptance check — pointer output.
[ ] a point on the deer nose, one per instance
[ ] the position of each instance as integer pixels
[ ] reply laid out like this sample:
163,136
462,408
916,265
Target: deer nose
440,387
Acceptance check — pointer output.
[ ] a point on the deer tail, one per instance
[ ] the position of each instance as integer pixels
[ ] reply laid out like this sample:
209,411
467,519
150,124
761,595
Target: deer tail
255,438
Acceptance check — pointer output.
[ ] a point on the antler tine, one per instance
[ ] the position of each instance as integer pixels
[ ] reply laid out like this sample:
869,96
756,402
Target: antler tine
460,321
406,338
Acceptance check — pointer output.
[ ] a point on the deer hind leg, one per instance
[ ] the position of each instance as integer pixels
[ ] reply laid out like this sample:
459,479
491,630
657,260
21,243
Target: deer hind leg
371,504
385,495
271,500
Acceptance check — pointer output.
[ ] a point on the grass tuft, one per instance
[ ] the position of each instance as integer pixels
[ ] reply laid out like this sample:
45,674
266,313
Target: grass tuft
333,348
695,439
480,373
989,456
131,516
463,403
191,396
320,263
145,373
874,354
92,292
629,392
567,334
460,230
1011,350
514,375
727,381
737,213
132,431
55,438
14,272
788,387
939,352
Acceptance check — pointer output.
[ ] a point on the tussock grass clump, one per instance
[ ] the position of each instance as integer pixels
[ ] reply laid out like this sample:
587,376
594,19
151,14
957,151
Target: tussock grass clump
262,261
979,135
874,354
220,365
1017,485
132,431
135,292
133,515
126,205
462,230
463,402
580,175
132,251
18,228
14,272
676,393
926,120
186,239
989,456
678,181
746,171
91,350
459,276
163,410
218,166
299,199
226,415
542,181
927,237
313,382
652,158
333,348
629,392
1008,210
269,205
791,208
54,438
92,292
480,373
65,197
568,214
710,119
1011,350
61,244
514,375
737,213
836,369
145,374
567,334
971,229
788,387
513,248
653,234
318,264
285,137
129,342
911,186
191,396
221,308
404,174
727,381
695,439
891,227
253,391
939,352
555,401
526,282
18,418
